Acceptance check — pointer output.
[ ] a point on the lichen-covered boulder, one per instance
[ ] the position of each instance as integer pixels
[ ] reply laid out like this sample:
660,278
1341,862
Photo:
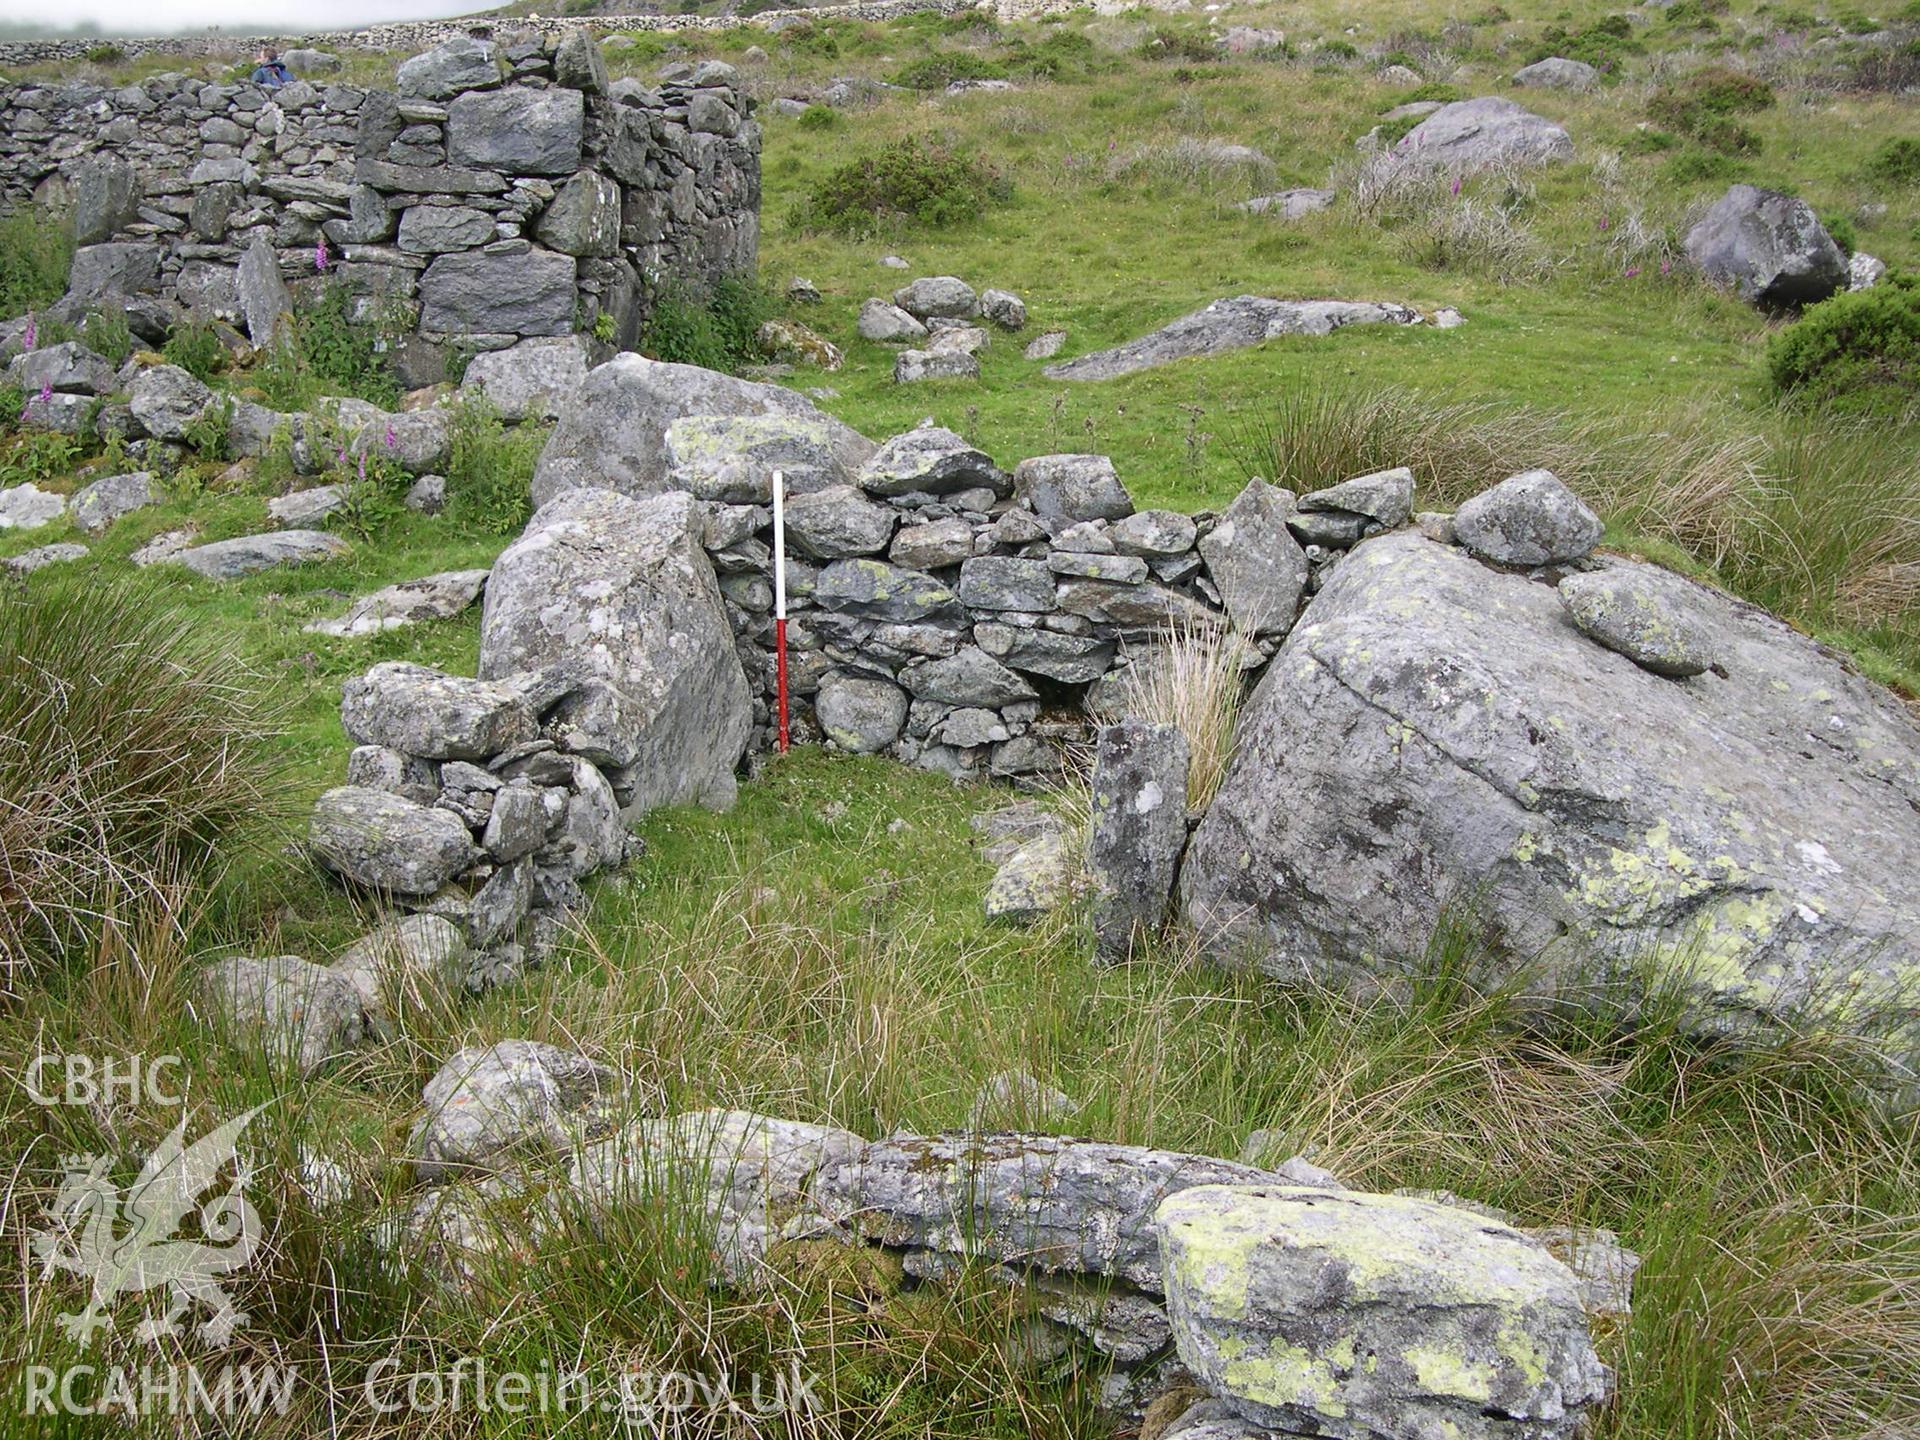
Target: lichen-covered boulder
1070,488
462,63
731,458
1642,615
104,501
931,461
389,843
1363,1316
1257,565
1436,735
612,433
532,380
621,592
166,400
244,554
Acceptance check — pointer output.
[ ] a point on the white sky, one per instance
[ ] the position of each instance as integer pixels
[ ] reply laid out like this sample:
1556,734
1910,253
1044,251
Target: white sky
245,17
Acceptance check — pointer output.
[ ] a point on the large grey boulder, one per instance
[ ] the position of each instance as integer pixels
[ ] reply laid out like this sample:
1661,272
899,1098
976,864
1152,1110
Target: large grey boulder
490,1099
1257,565
1139,828
166,400
265,302
385,842
1230,324
517,130
1769,248
1362,1316
105,191
884,322
106,500
243,555
620,591
751,1171
482,292
1479,134
68,368
435,716
301,1014
1528,519
1439,734
532,380
612,434
117,267
1045,1201
462,63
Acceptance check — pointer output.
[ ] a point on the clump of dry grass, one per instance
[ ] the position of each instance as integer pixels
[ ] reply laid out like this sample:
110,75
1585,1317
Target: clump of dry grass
1190,678
131,749
1475,237
1814,518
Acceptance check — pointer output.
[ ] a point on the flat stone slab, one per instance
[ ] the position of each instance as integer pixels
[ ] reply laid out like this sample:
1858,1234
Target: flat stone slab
243,555
432,597
1231,324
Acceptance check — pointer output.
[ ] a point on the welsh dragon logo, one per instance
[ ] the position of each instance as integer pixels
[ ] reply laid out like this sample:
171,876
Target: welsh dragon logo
85,1233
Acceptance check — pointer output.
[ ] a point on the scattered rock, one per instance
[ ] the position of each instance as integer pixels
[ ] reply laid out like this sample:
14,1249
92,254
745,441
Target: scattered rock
1528,519
230,559
432,597
862,714
1288,204
1556,73
68,368
1864,271
105,501
941,295
166,400
490,1099
785,340
1139,828
401,959
306,508
1639,614
1004,309
1046,346
388,843
884,322
1035,880
1385,498
299,1013
1229,325
1473,135
28,561
911,367
931,461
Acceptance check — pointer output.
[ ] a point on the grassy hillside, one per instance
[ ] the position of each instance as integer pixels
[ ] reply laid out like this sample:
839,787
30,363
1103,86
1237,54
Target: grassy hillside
819,952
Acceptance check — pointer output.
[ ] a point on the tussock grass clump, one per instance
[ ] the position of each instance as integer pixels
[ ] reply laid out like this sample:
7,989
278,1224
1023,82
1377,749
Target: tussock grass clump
1191,679
1474,237
1813,518
132,747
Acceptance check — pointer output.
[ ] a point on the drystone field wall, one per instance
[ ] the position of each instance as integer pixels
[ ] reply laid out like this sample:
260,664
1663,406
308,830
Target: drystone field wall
499,192
420,35
968,619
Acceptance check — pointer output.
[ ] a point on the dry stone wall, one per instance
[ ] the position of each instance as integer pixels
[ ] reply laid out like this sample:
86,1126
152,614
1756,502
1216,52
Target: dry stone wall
499,192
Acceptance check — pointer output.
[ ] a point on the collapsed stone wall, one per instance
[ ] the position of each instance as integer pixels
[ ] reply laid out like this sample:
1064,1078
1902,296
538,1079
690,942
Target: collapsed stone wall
497,193
419,35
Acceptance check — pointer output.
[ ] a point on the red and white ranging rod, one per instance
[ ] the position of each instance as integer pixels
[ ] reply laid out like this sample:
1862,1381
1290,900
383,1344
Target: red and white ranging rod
780,602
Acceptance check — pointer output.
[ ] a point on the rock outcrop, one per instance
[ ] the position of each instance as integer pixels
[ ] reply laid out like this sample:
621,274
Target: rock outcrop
1440,734
1229,325
1769,249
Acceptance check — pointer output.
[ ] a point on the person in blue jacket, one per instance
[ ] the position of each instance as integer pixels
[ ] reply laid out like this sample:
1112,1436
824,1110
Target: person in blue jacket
270,72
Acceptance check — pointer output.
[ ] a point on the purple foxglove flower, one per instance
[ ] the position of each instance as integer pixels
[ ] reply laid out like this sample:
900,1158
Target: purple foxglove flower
320,255
46,394
32,335
391,439
1632,270
1666,267
1456,185
1605,223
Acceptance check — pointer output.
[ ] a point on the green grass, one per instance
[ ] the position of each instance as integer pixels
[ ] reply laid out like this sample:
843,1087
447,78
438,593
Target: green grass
819,953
